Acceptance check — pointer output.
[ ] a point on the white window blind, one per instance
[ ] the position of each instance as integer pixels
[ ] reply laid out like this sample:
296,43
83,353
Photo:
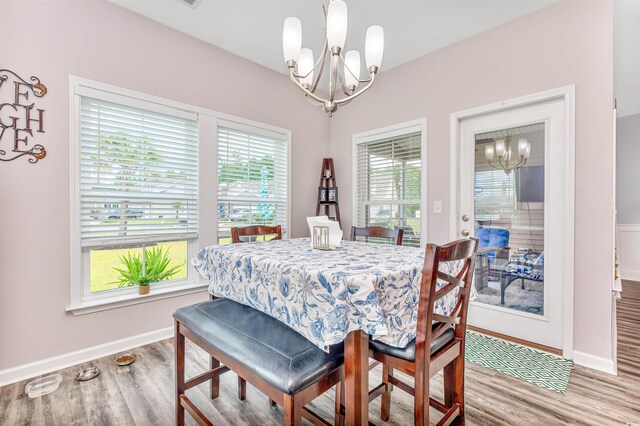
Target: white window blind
138,175
388,184
252,180
495,196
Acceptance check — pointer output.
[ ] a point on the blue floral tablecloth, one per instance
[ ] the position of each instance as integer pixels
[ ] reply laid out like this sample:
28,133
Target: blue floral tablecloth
324,295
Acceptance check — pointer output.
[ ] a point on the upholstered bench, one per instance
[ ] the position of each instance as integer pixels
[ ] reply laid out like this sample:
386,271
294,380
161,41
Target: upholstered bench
265,352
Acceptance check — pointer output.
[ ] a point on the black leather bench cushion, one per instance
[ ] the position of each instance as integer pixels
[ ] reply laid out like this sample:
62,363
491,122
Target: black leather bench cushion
409,352
267,347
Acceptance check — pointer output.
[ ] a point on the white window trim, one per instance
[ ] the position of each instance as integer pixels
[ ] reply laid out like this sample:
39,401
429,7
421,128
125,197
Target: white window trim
208,122
395,130
263,130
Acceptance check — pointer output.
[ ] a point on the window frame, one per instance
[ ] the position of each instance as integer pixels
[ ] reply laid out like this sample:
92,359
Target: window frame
393,131
81,300
266,131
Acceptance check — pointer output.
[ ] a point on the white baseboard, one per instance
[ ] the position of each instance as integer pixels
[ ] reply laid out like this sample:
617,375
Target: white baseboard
629,251
605,365
629,275
37,368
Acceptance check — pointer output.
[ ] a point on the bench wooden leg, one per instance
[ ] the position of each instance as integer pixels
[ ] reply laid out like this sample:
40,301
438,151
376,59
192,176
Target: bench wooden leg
292,412
179,348
385,404
215,382
242,389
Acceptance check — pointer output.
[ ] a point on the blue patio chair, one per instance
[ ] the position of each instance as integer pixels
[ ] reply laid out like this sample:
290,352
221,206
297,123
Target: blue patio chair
497,238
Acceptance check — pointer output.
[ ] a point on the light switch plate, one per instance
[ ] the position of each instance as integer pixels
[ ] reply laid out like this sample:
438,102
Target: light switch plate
437,207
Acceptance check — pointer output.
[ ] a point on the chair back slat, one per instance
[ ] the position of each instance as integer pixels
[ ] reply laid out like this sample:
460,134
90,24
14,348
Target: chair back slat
461,251
454,282
446,319
449,278
395,235
439,329
237,233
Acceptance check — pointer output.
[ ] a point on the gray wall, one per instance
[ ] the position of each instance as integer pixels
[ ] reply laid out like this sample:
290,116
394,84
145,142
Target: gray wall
628,169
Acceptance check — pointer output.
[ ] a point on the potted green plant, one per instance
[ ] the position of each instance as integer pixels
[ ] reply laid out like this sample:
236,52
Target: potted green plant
154,268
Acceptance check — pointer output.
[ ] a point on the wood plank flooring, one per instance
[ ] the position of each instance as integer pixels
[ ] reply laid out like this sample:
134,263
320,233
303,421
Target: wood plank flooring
142,394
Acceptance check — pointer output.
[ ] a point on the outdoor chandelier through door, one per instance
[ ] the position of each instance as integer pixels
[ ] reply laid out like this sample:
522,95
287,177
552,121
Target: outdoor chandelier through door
343,70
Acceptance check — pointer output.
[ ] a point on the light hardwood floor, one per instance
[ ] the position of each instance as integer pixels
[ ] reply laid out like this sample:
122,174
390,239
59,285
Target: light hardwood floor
142,394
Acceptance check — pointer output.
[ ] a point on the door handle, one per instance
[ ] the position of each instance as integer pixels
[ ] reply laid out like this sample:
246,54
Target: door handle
465,233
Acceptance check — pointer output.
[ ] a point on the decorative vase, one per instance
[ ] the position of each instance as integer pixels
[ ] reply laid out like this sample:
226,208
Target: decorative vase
144,289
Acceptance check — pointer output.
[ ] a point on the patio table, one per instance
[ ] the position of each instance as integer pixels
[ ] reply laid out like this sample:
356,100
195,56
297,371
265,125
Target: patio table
358,290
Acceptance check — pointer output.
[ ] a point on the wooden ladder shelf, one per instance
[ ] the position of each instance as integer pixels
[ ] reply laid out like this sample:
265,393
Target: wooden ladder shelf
328,191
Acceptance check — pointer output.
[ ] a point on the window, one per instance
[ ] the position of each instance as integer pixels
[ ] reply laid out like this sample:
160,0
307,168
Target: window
137,183
143,175
252,179
389,181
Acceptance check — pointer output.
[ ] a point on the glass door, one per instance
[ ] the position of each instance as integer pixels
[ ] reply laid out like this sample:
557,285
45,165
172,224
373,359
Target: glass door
511,188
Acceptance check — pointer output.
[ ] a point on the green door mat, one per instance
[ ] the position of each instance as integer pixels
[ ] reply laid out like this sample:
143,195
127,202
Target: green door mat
540,368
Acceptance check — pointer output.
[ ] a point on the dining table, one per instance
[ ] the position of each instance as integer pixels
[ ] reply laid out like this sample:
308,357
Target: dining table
359,291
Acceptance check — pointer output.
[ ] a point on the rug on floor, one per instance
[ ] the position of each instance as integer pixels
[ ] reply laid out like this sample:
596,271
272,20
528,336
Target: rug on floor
542,369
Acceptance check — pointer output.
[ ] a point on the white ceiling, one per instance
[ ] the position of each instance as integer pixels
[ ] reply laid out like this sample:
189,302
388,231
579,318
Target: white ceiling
253,28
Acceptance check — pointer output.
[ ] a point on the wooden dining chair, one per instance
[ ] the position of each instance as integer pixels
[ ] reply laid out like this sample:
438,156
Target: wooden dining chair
439,342
395,235
255,230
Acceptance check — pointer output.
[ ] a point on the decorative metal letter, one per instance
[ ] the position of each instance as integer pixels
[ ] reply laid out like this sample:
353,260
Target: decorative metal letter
19,118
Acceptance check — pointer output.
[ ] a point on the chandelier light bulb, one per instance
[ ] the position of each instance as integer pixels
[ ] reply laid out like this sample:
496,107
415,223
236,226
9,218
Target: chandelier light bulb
528,151
489,152
374,46
352,68
500,148
522,147
337,24
291,39
305,66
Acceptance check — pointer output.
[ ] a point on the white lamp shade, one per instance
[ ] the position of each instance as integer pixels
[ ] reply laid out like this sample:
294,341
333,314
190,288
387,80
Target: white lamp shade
291,39
374,46
337,23
305,66
500,147
352,68
528,151
489,152
522,147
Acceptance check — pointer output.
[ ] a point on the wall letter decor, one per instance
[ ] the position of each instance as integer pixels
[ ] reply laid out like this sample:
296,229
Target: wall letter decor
19,117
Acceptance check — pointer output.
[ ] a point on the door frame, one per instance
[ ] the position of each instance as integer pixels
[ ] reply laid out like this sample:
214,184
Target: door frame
567,94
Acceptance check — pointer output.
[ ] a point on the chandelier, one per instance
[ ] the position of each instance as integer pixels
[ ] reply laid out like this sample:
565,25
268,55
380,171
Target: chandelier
344,70
502,156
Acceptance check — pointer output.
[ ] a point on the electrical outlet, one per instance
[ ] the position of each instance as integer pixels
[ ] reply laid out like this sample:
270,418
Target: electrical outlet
437,207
